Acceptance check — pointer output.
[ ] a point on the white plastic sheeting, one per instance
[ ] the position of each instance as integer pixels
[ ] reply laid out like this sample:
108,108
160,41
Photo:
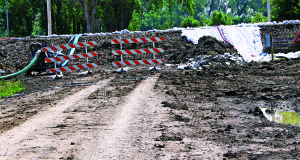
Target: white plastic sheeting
247,40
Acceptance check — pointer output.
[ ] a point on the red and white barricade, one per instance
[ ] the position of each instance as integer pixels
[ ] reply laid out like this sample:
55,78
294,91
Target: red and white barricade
70,57
72,68
137,40
68,46
137,51
138,62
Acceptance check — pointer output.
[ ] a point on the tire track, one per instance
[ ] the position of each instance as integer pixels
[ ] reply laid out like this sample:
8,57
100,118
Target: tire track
131,131
18,142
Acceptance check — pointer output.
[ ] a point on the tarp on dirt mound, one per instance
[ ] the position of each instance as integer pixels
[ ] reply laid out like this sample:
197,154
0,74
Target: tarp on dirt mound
245,38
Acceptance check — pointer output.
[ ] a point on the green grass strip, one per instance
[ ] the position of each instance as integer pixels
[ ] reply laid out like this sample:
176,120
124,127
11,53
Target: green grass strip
10,88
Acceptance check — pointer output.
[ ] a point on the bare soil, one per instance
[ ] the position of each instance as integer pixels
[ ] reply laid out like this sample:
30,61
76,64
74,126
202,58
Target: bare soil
169,114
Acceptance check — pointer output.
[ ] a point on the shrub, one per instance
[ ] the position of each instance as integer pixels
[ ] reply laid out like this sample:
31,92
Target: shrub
296,41
190,22
220,18
259,18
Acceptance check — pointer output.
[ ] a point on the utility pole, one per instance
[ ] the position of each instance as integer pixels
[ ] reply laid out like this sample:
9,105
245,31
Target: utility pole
177,14
49,17
269,12
7,20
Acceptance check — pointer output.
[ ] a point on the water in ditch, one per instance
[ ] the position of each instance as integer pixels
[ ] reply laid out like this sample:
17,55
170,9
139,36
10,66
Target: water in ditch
280,116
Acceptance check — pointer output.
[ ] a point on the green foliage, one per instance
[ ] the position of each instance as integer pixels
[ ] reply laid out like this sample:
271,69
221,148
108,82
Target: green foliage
29,17
37,30
135,23
4,34
21,15
205,21
190,22
285,10
288,117
220,18
241,19
9,88
162,19
259,18
166,25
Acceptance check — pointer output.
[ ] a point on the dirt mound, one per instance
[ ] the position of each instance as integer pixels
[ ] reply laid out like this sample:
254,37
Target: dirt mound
207,45
15,53
210,45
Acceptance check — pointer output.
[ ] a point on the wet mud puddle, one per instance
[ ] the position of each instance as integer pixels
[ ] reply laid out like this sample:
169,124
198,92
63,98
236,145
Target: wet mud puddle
281,116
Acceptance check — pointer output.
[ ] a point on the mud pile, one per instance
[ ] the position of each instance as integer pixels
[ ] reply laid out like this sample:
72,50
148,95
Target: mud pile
207,45
15,53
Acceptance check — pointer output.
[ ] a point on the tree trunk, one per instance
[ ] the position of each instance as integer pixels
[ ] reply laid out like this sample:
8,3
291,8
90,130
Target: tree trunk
78,27
89,14
120,19
97,25
211,7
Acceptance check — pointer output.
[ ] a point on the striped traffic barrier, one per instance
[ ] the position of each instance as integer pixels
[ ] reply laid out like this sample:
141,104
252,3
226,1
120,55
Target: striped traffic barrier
137,51
72,68
137,40
138,62
69,57
153,50
68,46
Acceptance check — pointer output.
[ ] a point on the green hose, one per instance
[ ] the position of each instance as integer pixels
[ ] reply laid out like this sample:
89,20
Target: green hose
24,69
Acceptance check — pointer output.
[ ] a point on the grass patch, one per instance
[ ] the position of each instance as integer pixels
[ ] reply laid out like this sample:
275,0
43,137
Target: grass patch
10,88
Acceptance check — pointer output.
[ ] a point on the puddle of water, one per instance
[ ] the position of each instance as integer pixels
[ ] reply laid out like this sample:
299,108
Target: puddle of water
284,117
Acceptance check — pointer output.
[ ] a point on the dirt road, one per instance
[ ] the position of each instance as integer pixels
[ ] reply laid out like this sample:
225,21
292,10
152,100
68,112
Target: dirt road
209,114
77,128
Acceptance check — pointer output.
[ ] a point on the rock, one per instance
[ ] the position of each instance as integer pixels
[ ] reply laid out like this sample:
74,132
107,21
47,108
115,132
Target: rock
181,118
160,145
1,71
267,89
230,93
170,137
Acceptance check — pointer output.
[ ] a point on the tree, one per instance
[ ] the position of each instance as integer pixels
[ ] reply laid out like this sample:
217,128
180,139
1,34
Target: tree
285,10
29,17
259,18
135,23
239,7
219,5
21,17
220,18
200,13
118,13
89,9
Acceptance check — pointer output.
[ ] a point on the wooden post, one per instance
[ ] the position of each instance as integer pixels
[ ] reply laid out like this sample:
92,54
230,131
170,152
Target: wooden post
272,50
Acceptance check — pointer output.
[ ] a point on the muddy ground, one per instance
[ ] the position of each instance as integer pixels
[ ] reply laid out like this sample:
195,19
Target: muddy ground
207,114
